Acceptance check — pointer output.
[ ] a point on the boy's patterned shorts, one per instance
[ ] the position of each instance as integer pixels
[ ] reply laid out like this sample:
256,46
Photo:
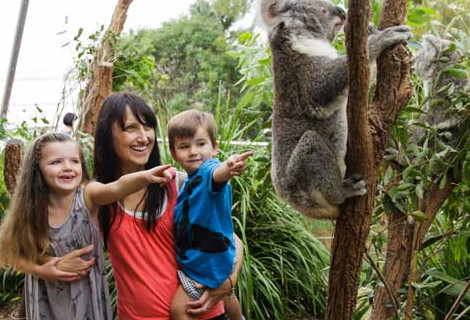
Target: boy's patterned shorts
189,285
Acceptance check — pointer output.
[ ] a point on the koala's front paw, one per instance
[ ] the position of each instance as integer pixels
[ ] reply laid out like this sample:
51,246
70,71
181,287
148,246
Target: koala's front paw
355,186
382,39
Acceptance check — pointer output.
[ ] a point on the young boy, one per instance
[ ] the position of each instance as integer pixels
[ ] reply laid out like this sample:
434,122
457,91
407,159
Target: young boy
203,223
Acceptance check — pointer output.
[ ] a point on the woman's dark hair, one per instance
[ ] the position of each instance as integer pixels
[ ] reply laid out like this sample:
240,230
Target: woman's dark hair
105,159
69,118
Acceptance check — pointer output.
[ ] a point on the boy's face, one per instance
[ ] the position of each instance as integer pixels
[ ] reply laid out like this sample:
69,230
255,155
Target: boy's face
190,153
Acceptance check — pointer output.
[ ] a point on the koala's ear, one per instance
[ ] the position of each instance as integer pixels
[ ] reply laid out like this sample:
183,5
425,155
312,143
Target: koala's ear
272,12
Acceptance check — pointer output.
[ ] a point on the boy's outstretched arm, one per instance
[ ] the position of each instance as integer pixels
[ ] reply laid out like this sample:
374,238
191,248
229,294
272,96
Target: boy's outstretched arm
233,166
97,194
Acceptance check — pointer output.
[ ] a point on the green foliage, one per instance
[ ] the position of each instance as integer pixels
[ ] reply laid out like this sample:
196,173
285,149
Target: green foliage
134,65
190,64
415,167
85,48
434,17
225,11
448,251
12,283
254,65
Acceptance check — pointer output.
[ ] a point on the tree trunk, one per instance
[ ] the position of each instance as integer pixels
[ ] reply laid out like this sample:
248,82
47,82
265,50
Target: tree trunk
102,83
352,226
12,163
397,265
366,150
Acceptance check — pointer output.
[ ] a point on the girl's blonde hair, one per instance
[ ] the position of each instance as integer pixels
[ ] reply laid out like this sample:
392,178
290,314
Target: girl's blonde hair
24,233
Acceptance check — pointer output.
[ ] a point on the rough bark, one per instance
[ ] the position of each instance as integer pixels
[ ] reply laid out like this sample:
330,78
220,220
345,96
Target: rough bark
102,83
392,94
353,223
397,265
366,149
432,202
12,163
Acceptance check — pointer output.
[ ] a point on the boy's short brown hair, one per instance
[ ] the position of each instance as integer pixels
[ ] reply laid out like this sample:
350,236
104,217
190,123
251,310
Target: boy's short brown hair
186,123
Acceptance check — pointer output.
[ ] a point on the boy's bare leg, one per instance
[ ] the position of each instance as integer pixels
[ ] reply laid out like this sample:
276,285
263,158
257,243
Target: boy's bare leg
232,308
178,305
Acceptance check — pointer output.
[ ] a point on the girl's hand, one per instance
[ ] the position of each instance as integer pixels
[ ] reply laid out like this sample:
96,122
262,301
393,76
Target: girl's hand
48,271
208,299
236,163
161,174
72,262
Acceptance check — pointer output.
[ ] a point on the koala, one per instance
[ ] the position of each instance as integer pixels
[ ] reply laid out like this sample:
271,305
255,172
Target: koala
428,64
310,96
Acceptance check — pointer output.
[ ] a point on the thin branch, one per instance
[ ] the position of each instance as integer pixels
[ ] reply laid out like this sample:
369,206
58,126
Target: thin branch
387,286
458,301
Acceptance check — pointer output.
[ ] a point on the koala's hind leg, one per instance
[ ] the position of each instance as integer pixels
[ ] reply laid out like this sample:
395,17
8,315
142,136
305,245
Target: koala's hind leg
314,166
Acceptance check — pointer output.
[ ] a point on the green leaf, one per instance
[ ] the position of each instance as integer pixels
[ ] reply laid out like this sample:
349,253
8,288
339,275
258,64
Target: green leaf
419,215
417,17
426,285
419,191
443,181
405,186
245,100
457,73
245,36
455,286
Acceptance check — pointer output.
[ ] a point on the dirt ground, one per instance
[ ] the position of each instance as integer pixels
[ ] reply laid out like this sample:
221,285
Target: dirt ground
9,310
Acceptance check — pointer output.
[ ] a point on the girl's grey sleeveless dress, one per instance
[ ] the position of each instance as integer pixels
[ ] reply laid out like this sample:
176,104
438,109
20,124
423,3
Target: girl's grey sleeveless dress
84,299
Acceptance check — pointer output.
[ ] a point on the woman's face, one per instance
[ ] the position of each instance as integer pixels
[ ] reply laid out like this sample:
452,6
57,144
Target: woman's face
132,145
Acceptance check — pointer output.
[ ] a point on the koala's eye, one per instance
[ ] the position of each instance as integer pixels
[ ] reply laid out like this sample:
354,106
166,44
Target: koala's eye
324,10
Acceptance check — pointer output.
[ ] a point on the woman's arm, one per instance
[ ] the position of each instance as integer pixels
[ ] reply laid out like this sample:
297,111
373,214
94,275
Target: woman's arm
97,194
212,296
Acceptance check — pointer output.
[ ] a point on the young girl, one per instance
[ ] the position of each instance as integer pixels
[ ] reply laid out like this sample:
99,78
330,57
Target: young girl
54,211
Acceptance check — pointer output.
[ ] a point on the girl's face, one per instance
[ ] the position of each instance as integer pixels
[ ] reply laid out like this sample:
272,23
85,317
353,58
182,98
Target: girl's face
133,145
61,166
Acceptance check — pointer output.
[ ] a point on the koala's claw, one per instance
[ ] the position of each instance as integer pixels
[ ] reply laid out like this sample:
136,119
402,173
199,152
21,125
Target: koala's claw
359,185
354,187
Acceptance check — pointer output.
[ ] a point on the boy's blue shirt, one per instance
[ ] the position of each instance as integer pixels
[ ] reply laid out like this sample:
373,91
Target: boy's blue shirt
204,234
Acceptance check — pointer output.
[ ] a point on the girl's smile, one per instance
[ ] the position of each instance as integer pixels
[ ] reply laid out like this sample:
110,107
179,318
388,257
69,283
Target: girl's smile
61,167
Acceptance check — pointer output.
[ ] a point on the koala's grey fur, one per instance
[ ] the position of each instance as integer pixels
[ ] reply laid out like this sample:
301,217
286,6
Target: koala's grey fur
310,85
428,65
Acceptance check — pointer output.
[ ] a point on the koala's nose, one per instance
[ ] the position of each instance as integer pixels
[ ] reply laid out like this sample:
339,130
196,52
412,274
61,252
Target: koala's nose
341,12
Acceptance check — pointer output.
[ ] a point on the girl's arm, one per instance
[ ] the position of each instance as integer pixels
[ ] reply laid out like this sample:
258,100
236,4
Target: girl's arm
212,296
47,271
97,194
67,268
233,166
